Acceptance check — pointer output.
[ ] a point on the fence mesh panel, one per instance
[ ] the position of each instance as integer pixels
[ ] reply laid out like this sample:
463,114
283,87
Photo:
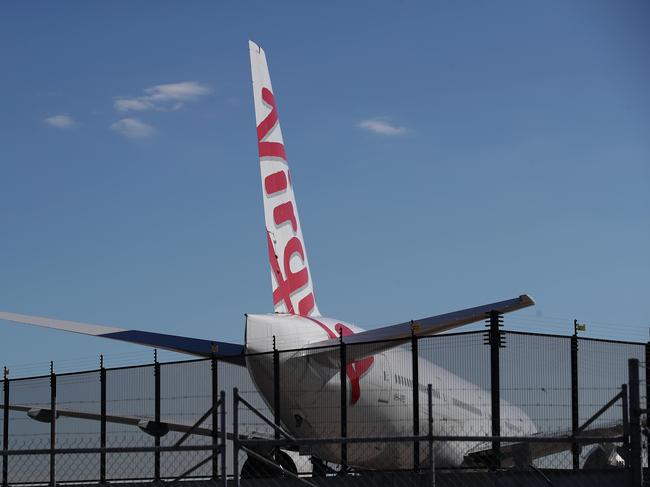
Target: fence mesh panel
381,394
130,392
25,433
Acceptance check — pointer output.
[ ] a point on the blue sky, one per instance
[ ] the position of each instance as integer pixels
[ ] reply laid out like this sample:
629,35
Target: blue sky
444,155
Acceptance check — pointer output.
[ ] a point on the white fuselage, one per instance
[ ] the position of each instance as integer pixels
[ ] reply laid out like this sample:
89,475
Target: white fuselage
379,393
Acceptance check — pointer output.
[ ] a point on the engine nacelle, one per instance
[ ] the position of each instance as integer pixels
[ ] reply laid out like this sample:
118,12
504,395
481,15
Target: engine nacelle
604,455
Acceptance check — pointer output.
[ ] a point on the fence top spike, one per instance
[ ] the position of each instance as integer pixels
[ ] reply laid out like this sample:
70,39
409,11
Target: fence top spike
5,372
51,366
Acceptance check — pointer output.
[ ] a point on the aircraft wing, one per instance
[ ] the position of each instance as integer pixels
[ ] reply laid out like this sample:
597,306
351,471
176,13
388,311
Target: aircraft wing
44,415
387,337
226,352
514,453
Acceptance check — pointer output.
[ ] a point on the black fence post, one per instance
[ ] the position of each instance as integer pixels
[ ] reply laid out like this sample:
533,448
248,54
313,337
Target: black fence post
156,455
496,340
215,416
235,435
276,388
52,425
102,420
635,424
416,397
5,429
222,450
626,425
432,460
344,403
647,405
575,417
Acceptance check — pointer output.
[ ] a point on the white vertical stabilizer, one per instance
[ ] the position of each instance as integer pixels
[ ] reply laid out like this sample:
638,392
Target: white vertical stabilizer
293,290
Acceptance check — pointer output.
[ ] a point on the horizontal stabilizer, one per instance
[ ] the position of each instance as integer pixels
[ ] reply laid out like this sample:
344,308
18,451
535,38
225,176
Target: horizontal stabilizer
227,352
388,337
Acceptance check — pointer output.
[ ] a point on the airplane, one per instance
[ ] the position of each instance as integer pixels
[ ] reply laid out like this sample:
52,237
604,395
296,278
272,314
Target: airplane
379,371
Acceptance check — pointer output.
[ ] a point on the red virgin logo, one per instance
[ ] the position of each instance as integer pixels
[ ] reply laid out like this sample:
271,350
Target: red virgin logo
288,281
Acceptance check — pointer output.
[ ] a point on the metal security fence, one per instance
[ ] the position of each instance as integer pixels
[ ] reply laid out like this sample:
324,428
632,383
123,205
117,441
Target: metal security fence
451,403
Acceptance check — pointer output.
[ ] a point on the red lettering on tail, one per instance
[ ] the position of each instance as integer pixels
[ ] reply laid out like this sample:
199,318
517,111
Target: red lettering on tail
269,149
288,282
276,182
284,213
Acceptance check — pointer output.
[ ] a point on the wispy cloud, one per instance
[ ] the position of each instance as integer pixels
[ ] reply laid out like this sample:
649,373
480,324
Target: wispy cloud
171,96
133,128
382,126
61,121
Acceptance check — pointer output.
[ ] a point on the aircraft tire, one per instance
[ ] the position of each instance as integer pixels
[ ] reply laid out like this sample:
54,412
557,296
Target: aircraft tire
254,469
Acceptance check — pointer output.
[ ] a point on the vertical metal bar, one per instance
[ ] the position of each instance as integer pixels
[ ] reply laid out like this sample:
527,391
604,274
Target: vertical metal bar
416,397
344,403
215,417
626,425
222,451
575,417
5,430
635,423
102,420
432,460
156,373
495,384
52,426
276,388
647,402
235,436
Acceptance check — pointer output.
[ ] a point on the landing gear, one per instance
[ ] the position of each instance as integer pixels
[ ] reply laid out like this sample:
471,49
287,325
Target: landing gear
319,468
256,469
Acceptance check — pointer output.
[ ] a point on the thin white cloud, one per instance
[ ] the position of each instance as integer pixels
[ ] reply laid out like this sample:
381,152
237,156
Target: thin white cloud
60,121
382,127
170,96
133,128
126,104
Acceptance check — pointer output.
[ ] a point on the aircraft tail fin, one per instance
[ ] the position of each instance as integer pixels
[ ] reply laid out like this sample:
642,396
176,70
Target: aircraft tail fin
293,290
